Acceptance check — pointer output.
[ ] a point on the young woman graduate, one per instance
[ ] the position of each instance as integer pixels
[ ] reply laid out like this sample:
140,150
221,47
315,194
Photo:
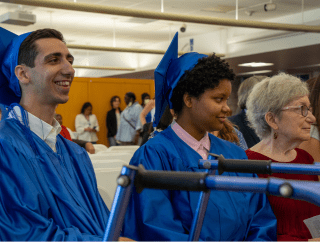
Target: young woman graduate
197,88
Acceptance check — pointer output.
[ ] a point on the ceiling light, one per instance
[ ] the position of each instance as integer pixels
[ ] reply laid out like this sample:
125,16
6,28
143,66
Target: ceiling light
269,7
256,64
253,72
220,9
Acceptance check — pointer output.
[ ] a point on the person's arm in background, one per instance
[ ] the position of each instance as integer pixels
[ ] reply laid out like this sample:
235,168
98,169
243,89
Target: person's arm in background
109,123
138,110
96,124
88,146
150,105
80,129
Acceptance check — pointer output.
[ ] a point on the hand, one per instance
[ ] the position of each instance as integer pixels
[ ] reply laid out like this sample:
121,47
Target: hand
90,148
124,239
315,239
87,129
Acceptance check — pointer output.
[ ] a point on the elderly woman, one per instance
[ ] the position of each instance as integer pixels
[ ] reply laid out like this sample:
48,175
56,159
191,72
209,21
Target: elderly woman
279,111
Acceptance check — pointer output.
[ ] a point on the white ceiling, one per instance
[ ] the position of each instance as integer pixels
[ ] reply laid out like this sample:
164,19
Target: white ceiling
98,29
109,30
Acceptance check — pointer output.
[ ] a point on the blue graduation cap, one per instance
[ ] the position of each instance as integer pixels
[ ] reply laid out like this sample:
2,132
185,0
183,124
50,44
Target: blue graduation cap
10,91
168,73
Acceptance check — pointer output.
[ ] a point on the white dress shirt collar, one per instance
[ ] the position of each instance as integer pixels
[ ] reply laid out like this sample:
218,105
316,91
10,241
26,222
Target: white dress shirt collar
45,131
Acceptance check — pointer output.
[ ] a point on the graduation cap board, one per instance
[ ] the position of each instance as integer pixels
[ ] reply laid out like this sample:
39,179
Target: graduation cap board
168,74
10,91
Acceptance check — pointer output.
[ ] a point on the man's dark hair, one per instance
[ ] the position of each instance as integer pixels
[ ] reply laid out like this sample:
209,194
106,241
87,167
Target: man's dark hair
28,50
206,74
131,95
85,106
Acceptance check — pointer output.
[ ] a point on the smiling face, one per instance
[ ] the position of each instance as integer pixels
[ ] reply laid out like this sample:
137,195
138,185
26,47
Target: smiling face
209,111
51,78
292,125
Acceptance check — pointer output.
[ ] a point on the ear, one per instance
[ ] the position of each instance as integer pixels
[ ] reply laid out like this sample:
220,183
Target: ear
272,120
22,73
187,99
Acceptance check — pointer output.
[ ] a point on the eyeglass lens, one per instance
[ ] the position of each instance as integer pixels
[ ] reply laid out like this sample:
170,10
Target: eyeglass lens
304,110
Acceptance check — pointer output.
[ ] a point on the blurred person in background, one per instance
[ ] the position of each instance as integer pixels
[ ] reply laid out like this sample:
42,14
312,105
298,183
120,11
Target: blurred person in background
113,120
240,119
145,98
87,124
279,111
230,133
147,128
67,133
130,125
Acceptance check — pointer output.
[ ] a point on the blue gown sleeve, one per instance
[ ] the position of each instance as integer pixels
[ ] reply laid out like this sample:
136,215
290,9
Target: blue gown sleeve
24,212
139,223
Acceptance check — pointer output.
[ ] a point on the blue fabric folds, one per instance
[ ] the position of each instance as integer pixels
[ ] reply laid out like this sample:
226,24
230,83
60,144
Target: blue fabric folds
167,215
50,196
10,91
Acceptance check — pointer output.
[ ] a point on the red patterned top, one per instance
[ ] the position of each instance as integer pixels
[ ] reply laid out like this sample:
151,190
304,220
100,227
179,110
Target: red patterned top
291,213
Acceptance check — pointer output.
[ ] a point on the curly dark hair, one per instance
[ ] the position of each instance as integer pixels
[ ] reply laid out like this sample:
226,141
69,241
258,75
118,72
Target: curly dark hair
206,74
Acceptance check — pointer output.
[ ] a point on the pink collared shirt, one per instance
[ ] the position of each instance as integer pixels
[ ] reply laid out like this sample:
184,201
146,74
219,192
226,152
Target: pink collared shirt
202,147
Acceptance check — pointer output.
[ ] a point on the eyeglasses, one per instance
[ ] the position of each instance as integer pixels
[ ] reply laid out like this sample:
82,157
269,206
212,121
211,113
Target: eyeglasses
304,109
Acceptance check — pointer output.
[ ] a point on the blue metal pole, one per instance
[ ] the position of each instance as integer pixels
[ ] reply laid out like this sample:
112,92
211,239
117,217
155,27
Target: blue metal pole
306,190
274,167
120,203
295,168
198,218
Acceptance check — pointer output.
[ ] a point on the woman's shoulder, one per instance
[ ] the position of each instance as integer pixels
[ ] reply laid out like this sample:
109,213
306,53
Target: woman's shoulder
157,153
255,155
303,157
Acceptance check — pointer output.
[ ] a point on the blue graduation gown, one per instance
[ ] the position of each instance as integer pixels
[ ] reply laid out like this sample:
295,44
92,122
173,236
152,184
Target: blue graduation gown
50,196
167,215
